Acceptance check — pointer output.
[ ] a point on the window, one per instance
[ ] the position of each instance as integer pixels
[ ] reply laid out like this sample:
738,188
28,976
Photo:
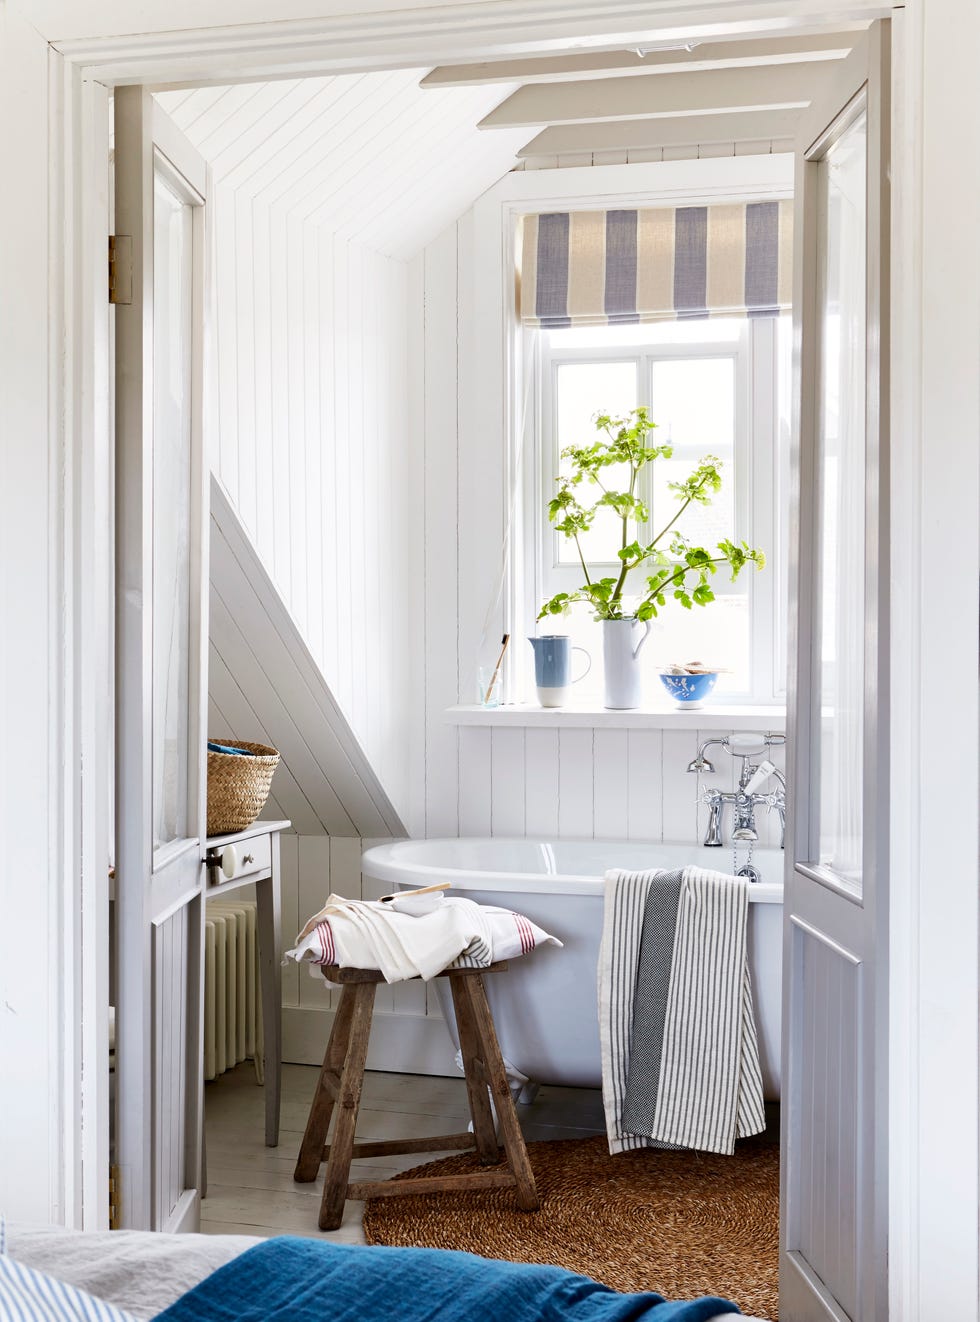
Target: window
713,386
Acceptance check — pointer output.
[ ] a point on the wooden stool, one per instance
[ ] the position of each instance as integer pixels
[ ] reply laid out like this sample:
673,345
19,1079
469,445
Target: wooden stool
340,1083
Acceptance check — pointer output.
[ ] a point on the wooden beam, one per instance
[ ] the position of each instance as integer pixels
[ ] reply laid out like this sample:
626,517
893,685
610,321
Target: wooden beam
715,92
675,131
599,64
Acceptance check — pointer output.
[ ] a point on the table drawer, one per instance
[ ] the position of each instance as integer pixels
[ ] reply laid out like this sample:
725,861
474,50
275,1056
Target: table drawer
245,858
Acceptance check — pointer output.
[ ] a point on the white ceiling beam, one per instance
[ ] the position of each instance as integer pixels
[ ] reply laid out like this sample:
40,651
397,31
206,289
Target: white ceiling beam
705,55
717,92
676,131
186,43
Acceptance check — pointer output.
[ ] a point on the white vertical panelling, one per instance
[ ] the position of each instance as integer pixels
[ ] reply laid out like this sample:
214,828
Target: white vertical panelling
314,883
611,785
290,369
291,919
345,867
309,348
314,449
541,782
680,787
340,377
415,654
480,432
238,429
38,1146
259,380
576,775
439,458
644,755
507,771
829,984
475,781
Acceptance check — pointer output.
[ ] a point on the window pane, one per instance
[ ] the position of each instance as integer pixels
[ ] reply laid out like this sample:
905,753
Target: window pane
693,403
842,262
582,390
172,258
717,635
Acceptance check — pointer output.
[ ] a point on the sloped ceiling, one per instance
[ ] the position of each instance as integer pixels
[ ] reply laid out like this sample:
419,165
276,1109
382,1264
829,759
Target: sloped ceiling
372,155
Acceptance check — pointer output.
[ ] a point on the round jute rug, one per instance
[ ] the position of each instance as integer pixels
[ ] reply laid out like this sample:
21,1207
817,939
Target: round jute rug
681,1223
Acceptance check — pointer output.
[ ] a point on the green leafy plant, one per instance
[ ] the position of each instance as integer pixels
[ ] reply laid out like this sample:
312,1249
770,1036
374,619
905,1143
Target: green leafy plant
680,571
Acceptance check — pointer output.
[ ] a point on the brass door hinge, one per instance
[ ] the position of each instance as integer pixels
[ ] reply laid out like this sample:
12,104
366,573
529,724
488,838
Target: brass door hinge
120,268
114,1198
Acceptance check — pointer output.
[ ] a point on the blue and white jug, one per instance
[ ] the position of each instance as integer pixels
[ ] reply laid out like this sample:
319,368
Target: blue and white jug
553,668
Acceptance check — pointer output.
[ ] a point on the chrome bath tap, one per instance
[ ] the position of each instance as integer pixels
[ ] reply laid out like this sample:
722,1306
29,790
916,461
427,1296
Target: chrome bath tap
747,798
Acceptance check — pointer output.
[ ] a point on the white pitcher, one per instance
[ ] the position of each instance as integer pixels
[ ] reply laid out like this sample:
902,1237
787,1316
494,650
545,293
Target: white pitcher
621,665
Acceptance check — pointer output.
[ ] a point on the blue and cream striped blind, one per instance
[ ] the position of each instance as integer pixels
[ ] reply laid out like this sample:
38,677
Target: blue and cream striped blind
581,268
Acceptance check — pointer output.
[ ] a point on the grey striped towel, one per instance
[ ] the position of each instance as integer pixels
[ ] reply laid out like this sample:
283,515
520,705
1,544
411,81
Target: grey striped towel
680,1054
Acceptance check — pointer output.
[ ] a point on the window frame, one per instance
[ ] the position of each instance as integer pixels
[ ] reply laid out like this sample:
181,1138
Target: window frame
761,475
499,484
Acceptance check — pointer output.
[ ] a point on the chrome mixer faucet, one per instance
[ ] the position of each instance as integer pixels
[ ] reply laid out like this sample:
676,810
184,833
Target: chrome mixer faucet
747,797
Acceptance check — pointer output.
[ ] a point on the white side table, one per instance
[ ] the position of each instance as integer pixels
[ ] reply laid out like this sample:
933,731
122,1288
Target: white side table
241,859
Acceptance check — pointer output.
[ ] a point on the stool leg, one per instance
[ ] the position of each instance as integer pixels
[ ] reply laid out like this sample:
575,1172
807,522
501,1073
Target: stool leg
337,1174
311,1149
476,1088
510,1129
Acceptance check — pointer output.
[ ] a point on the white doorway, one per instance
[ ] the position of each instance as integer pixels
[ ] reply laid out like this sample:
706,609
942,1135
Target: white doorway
905,935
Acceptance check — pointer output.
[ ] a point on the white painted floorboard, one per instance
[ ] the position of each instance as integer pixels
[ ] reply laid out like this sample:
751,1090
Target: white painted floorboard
251,1189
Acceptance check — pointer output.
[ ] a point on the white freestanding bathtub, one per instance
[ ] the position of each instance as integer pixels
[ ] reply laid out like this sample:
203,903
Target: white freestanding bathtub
545,1006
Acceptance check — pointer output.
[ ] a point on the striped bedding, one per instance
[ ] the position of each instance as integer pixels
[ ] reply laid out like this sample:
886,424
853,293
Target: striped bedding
680,1054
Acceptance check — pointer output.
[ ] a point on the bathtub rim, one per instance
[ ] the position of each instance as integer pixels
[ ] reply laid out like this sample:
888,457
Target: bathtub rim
381,863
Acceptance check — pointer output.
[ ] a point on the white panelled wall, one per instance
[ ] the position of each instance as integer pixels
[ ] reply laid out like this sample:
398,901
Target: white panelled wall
312,449
603,784
322,188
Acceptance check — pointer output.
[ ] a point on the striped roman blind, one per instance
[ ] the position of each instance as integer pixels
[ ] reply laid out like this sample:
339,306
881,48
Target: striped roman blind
581,268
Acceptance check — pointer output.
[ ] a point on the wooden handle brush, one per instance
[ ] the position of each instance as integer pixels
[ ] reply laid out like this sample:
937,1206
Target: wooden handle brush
496,670
423,890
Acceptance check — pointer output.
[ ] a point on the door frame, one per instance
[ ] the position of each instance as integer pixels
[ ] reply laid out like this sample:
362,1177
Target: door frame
934,1042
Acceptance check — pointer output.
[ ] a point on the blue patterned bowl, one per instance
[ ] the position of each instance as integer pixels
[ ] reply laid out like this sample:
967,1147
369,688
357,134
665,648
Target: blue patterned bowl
690,691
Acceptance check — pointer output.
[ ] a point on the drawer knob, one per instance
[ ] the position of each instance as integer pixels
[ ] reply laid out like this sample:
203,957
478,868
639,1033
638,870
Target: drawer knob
249,858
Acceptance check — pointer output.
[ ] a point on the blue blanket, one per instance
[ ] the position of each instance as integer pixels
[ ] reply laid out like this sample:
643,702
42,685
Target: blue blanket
307,1280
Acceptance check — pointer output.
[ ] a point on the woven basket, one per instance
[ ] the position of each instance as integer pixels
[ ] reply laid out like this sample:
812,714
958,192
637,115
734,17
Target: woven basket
238,786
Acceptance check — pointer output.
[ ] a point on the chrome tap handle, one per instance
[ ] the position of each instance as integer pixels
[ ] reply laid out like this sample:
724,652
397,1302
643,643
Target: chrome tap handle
744,827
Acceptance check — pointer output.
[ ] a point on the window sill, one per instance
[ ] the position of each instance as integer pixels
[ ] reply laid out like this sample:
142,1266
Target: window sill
716,716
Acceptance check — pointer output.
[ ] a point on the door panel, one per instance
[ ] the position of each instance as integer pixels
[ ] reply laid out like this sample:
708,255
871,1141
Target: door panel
834,1176
160,186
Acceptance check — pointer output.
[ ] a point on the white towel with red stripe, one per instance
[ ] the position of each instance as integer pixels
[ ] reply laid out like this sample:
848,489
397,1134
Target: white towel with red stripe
454,932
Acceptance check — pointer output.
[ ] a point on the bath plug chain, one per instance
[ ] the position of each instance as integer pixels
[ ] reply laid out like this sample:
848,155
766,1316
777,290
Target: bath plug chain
748,871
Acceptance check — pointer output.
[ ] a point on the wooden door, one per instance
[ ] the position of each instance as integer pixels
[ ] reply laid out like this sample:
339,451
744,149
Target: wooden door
161,680
835,1141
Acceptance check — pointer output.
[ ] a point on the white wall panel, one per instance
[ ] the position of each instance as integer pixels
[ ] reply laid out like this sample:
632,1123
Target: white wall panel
644,758
507,772
36,1155
312,437
438,455
541,782
576,783
610,790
